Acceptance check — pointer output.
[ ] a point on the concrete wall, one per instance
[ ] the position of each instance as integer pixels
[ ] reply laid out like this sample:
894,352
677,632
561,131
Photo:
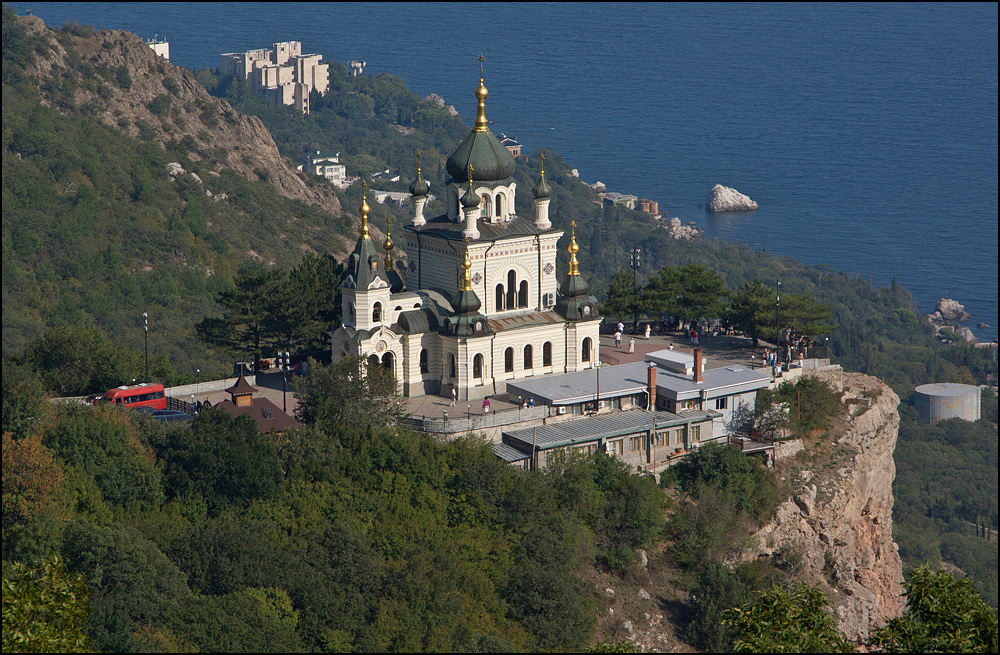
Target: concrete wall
204,387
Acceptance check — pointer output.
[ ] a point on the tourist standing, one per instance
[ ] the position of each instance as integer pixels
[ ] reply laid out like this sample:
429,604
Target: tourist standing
618,339
454,395
486,405
648,331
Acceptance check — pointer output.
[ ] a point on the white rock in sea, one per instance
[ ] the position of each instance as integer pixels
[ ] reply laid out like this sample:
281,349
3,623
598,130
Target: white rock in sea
724,199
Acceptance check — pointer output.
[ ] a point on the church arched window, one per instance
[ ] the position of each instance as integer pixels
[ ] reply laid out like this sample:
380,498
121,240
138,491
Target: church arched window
522,294
508,360
477,367
587,345
528,357
485,204
547,354
451,365
500,298
511,289
372,362
499,205
423,360
377,313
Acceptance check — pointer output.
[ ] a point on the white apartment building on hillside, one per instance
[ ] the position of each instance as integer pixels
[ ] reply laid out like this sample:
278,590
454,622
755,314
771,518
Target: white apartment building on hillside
281,75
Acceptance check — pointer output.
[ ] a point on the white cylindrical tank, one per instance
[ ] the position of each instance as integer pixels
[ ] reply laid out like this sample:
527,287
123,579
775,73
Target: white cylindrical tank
944,400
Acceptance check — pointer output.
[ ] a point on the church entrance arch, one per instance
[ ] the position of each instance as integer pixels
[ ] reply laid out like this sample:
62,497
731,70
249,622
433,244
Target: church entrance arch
373,361
389,361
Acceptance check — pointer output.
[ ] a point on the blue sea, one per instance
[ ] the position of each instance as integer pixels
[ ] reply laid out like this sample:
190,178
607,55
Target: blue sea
867,133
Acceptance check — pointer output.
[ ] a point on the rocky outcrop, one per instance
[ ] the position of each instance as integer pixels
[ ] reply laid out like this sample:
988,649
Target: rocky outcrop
950,315
439,101
724,199
149,98
839,514
681,231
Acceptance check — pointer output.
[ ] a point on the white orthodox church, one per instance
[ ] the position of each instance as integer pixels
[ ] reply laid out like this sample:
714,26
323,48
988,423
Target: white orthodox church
480,304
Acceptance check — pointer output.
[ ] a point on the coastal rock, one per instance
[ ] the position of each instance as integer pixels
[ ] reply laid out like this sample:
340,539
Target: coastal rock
439,101
678,230
724,199
952,311
949,315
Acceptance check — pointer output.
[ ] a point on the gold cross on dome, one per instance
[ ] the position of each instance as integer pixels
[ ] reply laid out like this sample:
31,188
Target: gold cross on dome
481,60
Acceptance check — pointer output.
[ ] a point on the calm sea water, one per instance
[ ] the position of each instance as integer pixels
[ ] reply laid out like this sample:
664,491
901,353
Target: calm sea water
868,133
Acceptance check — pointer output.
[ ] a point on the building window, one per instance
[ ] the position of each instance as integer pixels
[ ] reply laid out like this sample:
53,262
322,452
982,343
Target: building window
586,349
522,295
547,354
695,433
377,313
528,357
477,367
637,443
511,289
423,360
499,302
616,447
588,449
499,206
508,360
662,438
451,365
720,403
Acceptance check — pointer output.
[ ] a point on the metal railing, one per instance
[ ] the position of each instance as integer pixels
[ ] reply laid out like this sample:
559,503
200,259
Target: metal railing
466,421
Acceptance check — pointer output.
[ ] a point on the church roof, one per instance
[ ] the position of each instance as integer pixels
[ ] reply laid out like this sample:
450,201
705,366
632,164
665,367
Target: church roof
490,160
527,319
446,229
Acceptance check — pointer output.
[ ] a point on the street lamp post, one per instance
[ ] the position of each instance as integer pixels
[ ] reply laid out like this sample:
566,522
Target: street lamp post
284,360
145,339
634,263
777,320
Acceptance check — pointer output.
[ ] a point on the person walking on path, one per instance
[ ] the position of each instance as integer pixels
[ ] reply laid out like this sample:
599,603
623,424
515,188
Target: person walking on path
618,339
454,395
486,405
621,327
648,331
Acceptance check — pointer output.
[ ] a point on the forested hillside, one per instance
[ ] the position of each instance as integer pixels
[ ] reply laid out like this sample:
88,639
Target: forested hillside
97,229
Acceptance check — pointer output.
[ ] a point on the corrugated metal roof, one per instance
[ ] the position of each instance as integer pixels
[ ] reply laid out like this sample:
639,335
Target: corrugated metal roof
601,427
508,453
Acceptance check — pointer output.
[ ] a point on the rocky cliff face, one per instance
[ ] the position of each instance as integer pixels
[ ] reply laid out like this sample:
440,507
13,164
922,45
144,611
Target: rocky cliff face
123,83
839,516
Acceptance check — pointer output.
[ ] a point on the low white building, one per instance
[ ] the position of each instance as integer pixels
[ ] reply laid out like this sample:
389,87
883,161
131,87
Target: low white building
326,164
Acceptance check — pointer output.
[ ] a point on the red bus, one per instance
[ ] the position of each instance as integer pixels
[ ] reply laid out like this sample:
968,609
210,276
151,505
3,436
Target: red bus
138,395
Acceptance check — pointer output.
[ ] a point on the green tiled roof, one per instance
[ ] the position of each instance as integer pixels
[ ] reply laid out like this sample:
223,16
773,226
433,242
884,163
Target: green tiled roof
490,160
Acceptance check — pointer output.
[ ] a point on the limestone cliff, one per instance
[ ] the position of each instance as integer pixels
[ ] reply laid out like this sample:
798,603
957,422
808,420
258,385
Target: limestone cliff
123,83
839,515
